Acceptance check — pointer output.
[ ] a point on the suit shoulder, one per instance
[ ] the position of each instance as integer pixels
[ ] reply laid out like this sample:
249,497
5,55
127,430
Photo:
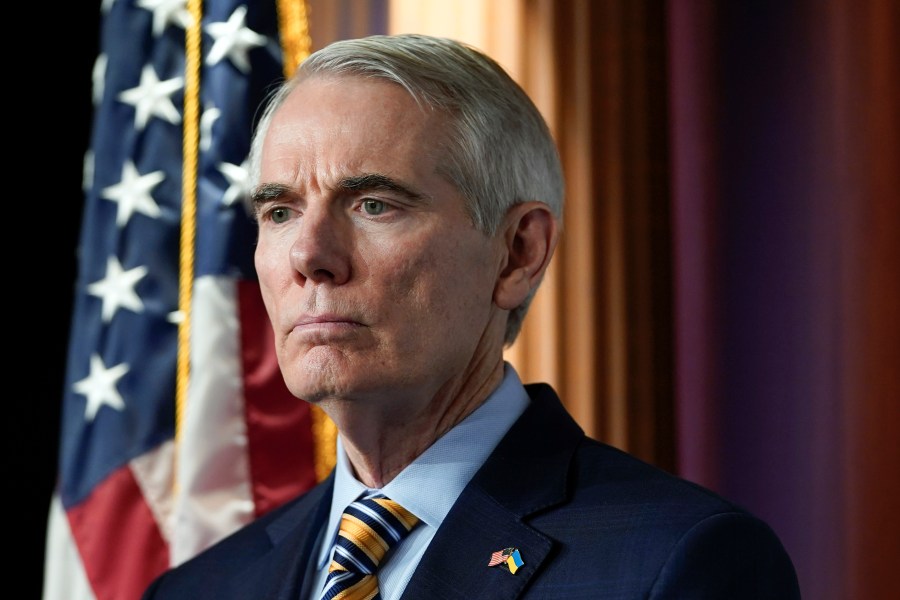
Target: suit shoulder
728,555
651,530
616,476
223,561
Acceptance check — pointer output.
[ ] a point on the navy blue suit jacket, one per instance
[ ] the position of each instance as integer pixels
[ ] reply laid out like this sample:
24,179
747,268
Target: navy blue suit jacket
589,521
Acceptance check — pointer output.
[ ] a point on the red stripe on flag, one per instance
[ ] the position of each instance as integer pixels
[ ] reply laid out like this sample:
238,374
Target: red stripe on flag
279,426
118,538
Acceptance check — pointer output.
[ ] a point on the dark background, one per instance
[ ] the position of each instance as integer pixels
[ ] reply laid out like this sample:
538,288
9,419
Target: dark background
55,93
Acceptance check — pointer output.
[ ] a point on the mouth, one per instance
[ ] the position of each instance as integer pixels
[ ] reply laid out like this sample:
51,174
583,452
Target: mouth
306,320
325,325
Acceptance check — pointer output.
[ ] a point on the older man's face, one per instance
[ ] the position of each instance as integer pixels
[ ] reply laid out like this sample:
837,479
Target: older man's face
376,281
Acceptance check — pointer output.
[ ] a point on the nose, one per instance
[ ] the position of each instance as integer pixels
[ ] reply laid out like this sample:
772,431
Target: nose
320,253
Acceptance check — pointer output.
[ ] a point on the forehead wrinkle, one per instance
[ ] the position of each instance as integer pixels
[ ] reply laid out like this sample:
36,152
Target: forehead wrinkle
307,175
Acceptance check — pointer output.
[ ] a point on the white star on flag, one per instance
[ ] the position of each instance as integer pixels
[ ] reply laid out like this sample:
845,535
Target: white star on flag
209,117
116,289
165,12
98,78
151,98
132,193
238,178
233,40
99,387
87,171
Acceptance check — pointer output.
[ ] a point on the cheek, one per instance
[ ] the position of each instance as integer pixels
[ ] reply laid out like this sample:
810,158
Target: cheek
407,280
262,262
445,283
269,271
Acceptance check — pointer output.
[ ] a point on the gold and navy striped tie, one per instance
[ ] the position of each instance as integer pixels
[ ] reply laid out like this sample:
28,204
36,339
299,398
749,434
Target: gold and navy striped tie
369,528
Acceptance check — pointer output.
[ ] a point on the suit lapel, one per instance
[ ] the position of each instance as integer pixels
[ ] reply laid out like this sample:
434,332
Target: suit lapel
525,473
280,573
456,562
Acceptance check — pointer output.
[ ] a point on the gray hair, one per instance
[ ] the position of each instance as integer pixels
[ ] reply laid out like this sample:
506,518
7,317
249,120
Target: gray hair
499,151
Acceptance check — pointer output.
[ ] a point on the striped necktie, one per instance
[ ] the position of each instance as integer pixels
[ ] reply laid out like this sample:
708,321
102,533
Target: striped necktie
369,528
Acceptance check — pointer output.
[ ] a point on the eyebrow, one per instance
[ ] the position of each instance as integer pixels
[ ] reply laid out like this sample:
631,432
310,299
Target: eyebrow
267,192
376,182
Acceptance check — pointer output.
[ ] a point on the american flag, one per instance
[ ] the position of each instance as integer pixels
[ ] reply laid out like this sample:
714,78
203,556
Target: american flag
499,556
132,500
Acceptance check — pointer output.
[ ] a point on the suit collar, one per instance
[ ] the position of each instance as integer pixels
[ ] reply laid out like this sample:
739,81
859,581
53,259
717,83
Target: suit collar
526,473
300,517
529,469
280,572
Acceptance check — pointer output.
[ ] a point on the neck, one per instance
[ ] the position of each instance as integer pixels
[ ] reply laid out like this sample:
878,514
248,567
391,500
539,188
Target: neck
382,444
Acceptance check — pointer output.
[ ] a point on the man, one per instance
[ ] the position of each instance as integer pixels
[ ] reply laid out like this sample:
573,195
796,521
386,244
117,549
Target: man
409,196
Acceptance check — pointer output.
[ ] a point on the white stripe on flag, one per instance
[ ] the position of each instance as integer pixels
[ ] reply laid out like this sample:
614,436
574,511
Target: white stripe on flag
64,576
214,495
153,474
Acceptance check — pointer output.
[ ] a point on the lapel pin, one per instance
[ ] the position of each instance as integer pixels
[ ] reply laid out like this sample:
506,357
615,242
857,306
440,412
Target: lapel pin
508,557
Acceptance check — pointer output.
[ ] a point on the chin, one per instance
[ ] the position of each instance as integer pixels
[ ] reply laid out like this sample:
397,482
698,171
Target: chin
314,377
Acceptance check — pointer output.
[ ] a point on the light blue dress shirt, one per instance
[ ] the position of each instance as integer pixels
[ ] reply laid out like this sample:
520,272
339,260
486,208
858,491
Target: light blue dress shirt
428,487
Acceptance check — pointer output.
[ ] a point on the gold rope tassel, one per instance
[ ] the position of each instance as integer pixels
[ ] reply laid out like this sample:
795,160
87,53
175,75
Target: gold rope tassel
293,25
191,151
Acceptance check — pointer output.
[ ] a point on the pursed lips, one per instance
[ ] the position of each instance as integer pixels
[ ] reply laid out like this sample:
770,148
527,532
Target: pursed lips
324,323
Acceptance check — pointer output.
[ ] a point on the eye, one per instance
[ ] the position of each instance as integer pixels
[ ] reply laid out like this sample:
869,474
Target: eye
280,214
371,206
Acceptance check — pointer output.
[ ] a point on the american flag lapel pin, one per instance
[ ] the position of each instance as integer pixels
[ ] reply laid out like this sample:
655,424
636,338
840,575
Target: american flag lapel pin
510,558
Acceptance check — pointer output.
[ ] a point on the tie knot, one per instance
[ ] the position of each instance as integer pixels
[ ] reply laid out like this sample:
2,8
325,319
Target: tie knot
370,527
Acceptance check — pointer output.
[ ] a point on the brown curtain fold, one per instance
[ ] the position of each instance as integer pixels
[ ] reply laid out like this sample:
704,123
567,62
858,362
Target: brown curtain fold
786,154
600,329
862,46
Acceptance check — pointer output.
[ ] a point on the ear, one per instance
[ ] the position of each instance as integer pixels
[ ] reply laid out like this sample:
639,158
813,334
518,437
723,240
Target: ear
530,233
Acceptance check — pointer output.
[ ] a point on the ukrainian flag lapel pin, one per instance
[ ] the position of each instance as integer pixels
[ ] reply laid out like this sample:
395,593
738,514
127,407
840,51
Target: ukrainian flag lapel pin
510,558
